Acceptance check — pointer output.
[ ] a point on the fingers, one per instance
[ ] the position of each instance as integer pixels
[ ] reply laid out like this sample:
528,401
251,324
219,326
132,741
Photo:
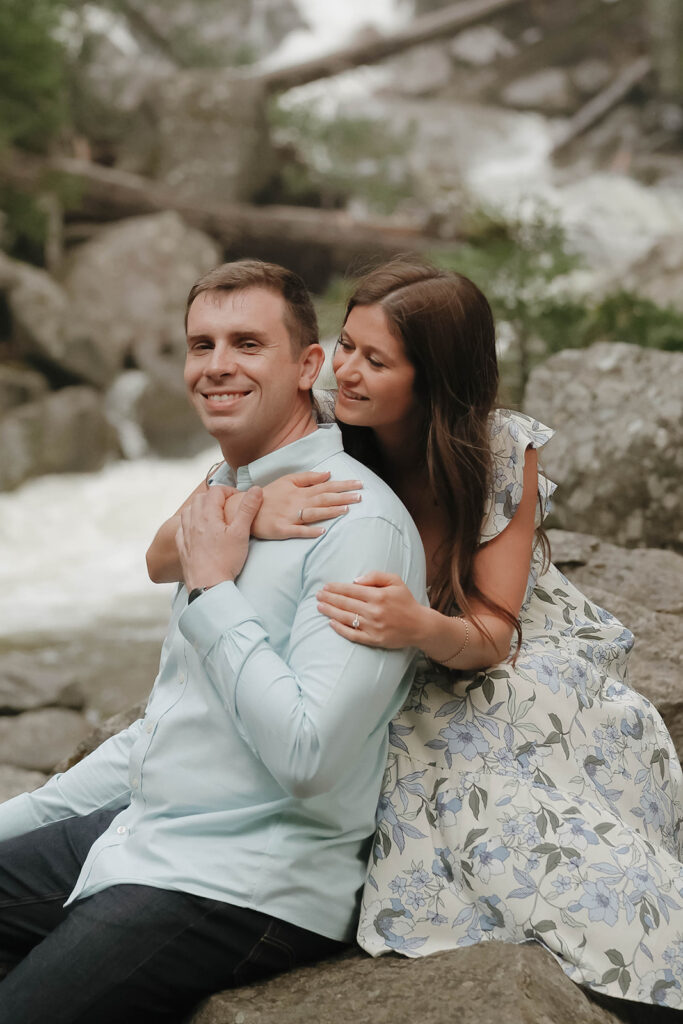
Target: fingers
297,532
345,617
318,514
340,591
378,579
248,508
339,607
328,500
326,486
309,479
355,635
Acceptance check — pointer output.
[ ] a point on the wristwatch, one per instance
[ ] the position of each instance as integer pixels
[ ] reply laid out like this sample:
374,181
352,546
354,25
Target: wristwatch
197,592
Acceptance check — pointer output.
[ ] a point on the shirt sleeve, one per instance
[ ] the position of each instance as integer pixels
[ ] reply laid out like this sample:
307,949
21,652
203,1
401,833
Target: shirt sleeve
98,782
308,715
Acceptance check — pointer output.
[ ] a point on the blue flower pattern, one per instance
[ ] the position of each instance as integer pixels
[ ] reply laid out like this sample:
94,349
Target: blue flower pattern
541,801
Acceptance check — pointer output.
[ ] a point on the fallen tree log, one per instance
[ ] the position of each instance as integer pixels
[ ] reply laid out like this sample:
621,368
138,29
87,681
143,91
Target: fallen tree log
106,194
429,27
601,104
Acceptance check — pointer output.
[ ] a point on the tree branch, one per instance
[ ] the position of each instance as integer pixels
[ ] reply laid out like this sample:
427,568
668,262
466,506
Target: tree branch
441,23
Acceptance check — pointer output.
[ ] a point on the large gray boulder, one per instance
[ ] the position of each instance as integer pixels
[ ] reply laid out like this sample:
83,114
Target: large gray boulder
14,781
489,983
37,740
39,308
127,289
19,385
26,684
66,431
657,276
644,589
548,90
126,57
211,135
618,452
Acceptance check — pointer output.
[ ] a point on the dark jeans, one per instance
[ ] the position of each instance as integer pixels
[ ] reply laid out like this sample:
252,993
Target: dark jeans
129,953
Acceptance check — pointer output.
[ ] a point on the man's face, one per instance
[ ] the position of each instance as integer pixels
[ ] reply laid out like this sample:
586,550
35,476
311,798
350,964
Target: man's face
242,374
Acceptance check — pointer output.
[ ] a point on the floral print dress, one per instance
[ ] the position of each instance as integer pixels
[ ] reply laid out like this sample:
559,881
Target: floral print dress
541,801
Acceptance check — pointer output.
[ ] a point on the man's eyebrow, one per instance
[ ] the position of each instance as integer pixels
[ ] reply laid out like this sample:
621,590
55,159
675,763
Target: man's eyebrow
240,332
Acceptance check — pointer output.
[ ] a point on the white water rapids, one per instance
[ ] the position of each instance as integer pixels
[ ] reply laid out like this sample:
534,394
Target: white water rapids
72,546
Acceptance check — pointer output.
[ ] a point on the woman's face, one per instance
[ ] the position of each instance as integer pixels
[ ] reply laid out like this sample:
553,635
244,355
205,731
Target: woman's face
374,375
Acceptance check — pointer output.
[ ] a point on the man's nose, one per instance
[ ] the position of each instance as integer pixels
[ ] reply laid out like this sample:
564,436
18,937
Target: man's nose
222,362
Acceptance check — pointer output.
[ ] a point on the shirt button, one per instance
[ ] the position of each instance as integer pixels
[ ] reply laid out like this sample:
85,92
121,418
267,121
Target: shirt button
135,783
122,830
149,727
181,679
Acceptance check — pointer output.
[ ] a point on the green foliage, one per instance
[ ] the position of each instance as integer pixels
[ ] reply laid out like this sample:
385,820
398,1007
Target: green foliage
624,316
340,158
331,305
516,264
32,73
25,225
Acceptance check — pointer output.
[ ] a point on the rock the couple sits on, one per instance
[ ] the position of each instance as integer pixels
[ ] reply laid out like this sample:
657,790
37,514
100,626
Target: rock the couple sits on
528,794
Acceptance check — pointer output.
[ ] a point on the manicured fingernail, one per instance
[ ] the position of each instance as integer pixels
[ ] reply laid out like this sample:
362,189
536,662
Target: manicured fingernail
358,579
356,483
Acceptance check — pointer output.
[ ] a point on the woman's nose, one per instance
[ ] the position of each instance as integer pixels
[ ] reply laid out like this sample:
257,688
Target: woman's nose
345,365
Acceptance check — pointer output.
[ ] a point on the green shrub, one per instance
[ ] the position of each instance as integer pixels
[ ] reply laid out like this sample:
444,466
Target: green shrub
33,106
340,158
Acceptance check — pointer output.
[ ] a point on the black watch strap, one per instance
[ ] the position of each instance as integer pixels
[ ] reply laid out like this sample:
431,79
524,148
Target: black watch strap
197,592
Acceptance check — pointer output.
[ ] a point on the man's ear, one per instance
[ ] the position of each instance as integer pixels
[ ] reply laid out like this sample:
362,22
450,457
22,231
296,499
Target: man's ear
310,364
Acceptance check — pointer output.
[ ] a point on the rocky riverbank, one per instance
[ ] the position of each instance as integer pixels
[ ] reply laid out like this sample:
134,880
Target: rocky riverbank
46,717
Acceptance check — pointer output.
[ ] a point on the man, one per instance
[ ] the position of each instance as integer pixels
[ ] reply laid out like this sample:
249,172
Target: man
222,836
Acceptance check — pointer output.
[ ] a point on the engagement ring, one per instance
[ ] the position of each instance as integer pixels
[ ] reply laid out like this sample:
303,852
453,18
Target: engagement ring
301,515
356,621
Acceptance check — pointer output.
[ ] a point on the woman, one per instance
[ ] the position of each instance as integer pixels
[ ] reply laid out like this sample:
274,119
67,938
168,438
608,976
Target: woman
530,793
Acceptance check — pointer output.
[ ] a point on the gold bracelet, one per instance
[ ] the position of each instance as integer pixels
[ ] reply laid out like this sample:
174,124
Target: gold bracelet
464,645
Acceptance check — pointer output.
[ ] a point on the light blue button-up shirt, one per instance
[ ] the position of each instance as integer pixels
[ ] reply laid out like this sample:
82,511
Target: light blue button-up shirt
254,775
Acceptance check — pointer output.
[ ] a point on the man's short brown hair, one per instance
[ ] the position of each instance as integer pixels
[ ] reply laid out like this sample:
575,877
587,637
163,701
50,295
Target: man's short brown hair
299,316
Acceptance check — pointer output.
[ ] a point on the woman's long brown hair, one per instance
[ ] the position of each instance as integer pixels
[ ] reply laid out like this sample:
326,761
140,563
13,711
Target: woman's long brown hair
446,326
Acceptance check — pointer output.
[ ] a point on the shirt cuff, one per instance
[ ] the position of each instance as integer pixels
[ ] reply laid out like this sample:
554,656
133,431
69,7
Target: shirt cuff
16,817
215,613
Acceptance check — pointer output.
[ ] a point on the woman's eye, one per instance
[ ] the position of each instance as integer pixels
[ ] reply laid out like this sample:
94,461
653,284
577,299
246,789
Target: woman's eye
375,362
345,346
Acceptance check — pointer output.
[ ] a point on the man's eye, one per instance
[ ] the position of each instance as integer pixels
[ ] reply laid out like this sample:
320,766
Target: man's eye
249,344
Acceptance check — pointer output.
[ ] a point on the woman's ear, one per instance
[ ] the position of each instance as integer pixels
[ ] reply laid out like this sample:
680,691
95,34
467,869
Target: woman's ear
310,364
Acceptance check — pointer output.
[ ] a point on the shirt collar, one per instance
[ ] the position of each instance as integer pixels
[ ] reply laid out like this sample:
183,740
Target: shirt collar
296,457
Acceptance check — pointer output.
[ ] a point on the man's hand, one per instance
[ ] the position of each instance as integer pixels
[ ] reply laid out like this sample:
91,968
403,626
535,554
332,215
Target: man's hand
211,551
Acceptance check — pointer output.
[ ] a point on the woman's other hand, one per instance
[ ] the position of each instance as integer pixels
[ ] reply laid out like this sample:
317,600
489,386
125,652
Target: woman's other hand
294,504
384,610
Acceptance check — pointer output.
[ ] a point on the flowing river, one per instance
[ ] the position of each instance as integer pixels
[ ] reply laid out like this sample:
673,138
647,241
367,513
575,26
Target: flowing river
74,592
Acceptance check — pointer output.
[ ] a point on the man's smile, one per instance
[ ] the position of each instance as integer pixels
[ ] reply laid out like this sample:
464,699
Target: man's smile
224,397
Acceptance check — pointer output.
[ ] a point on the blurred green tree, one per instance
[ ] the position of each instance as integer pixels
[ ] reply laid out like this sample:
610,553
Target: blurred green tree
34,109
33,78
